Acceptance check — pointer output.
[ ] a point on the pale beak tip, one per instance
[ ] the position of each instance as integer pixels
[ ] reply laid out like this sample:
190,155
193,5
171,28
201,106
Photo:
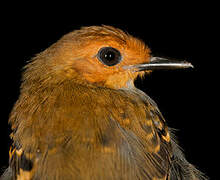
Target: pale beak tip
188,65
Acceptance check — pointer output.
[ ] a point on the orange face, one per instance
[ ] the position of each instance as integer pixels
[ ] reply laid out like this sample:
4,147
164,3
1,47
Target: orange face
102,55
97,55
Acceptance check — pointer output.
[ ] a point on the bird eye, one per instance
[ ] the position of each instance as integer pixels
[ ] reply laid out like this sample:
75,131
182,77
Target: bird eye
109,56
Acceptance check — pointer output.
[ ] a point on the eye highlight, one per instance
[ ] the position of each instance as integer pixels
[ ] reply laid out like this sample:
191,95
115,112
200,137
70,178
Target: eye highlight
109,56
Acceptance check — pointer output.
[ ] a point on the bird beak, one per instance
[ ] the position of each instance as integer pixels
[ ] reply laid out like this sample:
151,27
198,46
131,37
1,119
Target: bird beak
162,63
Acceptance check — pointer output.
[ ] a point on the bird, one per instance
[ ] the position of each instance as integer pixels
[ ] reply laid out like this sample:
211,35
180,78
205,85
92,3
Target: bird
79,115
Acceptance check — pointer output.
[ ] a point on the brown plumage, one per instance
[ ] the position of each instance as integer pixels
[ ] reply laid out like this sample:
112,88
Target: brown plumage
79,115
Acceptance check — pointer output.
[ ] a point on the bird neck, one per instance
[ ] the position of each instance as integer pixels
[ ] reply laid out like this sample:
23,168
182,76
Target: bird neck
65,109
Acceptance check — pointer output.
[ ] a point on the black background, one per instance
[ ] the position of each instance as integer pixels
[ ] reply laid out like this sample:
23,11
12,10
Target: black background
188,98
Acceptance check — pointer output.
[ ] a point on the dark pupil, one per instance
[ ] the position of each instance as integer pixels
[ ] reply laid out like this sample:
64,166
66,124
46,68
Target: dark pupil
109,56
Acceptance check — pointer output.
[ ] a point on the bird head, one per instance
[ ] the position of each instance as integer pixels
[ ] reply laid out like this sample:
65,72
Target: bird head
97,55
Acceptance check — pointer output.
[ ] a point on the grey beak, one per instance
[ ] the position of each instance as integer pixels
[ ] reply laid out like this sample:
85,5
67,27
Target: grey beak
162,63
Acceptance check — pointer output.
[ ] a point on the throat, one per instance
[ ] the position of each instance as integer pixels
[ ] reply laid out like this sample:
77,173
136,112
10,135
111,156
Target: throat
120,81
